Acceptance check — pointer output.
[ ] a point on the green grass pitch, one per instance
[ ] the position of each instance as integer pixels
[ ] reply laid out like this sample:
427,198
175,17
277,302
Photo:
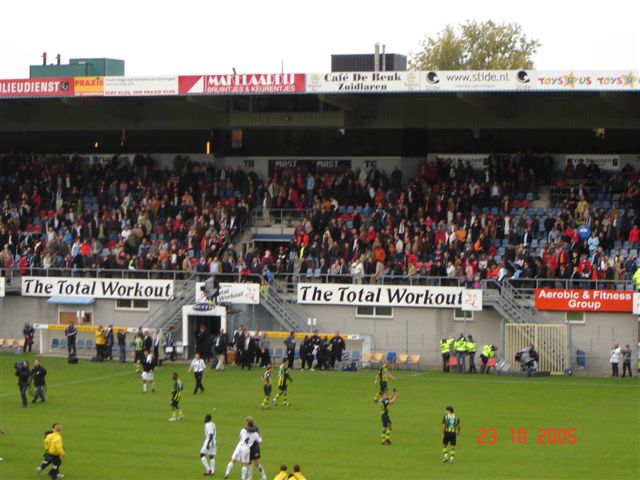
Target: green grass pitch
112,430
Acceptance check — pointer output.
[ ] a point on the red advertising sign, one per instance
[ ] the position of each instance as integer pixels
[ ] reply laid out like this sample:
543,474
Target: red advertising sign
37,87
584,300
259,83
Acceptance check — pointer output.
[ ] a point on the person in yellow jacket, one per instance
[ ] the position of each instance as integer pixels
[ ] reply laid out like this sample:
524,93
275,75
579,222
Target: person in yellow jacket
53,452
460,346
101,341
445,352
472,347
636,279
282,474
296,473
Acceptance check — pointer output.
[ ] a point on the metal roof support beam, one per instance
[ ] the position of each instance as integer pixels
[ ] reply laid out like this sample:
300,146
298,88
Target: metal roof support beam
498,105
628,103
356,104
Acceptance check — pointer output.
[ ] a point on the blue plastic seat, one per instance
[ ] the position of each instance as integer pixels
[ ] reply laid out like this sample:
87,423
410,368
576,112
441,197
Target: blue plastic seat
55,343
391,357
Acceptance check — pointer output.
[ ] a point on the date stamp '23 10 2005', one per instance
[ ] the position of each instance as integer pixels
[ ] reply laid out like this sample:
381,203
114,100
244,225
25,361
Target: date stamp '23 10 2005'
545,436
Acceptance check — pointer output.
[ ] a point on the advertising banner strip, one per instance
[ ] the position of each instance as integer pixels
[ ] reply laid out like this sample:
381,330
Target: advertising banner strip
609,163
37,87
241,293
477,81
363,82
273,83
88,86
581,80
249,84
97,288
389,296
584,300
140,86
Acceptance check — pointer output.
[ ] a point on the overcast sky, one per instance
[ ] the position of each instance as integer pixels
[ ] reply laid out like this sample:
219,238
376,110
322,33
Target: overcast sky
214,36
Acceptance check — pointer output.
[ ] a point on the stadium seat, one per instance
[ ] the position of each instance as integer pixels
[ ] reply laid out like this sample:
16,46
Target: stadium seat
392,357
55,343
88,345
277,353
355,356
18,345
80,343
366,360
345,356
8,343
63,343
402,359
377,359
414,360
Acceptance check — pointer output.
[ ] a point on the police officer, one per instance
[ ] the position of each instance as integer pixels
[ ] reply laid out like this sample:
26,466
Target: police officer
446,354
471,353
488,351
460,347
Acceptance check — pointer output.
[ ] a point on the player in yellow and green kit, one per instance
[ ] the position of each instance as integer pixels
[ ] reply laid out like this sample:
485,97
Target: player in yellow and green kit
266,379
176,393
382,377
385,401
283,377
450,429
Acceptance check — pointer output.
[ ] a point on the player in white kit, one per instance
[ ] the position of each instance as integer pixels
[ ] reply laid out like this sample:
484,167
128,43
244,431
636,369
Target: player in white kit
248,436
209,446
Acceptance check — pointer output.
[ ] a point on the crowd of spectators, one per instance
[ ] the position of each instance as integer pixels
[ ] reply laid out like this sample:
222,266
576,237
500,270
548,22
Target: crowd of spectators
75,214
450,221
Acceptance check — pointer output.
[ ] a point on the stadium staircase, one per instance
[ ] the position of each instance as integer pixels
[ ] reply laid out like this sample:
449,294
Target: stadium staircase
514,304
281,308
169,313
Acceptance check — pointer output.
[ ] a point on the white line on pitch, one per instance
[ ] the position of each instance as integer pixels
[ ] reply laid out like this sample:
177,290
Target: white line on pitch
74,382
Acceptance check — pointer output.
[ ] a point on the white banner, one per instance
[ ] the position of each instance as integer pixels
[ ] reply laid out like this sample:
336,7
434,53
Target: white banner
609,163
1,287
477,80
363,82
477,160
140,86
244,293
97,288
636,303
559,80
389,296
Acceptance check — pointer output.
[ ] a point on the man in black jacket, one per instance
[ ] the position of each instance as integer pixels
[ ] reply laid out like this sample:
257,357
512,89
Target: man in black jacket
38,373
220,348
290,344
28,332
337,347
71,332
23,373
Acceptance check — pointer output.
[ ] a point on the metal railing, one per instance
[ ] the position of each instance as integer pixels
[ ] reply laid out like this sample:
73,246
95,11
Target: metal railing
278,217
169,312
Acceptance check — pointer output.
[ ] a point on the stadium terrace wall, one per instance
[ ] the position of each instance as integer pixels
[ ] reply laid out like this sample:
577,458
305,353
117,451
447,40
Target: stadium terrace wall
409,165
410,330
18,309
